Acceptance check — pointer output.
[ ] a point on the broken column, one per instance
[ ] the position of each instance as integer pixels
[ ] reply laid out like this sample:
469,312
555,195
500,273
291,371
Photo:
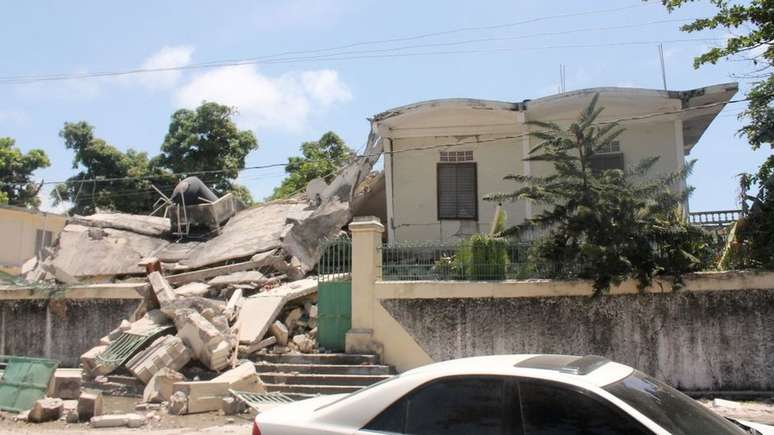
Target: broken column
166,352
159,388
161,288
207,344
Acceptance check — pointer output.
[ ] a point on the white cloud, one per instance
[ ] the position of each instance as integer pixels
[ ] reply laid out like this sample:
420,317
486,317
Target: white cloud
167,57
325,86
284,102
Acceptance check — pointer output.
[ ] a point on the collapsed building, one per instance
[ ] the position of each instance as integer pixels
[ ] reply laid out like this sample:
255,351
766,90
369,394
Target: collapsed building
219,283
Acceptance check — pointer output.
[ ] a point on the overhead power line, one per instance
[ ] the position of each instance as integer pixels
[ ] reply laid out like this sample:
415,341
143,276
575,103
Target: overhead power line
369,54
434,146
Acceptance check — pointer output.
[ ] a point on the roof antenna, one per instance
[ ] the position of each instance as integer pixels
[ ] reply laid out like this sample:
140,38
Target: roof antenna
663,68
562,78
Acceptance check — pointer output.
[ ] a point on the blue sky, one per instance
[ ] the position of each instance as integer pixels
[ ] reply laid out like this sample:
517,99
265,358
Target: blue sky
286,103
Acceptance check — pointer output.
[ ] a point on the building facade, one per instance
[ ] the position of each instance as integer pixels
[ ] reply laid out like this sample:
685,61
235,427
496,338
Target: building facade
24,233
441,157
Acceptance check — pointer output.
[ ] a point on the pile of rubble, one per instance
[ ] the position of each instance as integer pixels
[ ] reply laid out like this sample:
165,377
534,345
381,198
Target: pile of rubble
211,299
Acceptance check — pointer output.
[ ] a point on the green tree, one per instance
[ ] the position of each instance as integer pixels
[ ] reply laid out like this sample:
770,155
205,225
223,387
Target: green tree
207,139
16,168
609,225
321,158
752,26
99,162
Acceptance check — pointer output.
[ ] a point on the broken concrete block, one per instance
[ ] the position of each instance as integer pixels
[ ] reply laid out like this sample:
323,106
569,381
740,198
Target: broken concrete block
47,409
28,266
304,343
247,277
207,344
193,289
233,305
232,406
159,388
66,384
255,347
242,378
293,317
117,420
165,352
89,405
90,364
178,403
71,416
161,288
149,321
195,303
313,333
202,396
280,332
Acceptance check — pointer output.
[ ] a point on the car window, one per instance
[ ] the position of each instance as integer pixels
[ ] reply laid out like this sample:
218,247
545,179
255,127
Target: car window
558,410
454,406
671,409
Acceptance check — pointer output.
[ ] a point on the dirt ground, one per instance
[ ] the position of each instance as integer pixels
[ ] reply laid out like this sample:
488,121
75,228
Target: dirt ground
164,424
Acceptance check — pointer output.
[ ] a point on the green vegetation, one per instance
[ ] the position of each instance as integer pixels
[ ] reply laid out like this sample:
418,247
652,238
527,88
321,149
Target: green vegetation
320,159
751,241
205,139
16,169
609,225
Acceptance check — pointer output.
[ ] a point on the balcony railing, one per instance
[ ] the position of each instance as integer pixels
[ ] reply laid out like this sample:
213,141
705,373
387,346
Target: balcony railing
714,218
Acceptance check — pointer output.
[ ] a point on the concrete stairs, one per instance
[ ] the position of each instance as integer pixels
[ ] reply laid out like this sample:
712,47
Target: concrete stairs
313,374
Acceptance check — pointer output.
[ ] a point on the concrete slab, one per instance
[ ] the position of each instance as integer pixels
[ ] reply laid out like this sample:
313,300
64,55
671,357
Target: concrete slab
256,315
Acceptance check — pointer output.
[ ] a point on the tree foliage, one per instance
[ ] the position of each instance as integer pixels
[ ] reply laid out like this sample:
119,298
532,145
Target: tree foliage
320,159
98,160
203,142
611,224
207,139
16,170
752,26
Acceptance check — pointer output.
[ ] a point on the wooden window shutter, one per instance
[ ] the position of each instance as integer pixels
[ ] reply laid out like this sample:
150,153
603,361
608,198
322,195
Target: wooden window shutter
457,191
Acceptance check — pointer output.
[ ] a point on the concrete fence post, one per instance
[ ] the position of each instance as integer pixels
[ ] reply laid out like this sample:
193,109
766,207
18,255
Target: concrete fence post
366,261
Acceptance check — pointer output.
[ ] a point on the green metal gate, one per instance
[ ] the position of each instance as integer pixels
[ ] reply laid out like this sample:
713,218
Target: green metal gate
334,294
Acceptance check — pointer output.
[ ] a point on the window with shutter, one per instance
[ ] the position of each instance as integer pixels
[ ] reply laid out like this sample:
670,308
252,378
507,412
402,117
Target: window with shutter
457,191
606,161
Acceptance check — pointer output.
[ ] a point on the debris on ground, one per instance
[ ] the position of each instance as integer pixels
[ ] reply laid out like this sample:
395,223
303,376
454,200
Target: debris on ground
219,285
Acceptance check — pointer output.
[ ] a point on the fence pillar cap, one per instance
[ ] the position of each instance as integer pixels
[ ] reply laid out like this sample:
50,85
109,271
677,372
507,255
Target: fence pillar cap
366,223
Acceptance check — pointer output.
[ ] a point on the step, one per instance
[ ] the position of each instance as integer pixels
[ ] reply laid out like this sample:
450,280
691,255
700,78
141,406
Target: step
311,389
325,369
320,358
312,379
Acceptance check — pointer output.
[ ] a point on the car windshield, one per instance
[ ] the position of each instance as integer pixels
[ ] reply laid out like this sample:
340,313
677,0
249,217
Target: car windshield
671,409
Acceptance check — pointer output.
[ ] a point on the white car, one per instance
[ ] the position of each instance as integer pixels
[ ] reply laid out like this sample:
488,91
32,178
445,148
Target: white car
508,394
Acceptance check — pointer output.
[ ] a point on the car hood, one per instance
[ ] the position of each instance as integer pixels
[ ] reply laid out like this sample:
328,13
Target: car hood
765,429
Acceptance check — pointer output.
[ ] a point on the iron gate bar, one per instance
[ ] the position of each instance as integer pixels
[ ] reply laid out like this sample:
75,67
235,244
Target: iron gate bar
254,400
334,294
126,345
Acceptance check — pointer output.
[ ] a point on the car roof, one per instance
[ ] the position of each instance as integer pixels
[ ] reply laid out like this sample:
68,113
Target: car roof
595,370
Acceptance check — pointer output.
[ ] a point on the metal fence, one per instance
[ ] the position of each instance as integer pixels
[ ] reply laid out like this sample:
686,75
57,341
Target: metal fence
714,218
435,261
336,260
